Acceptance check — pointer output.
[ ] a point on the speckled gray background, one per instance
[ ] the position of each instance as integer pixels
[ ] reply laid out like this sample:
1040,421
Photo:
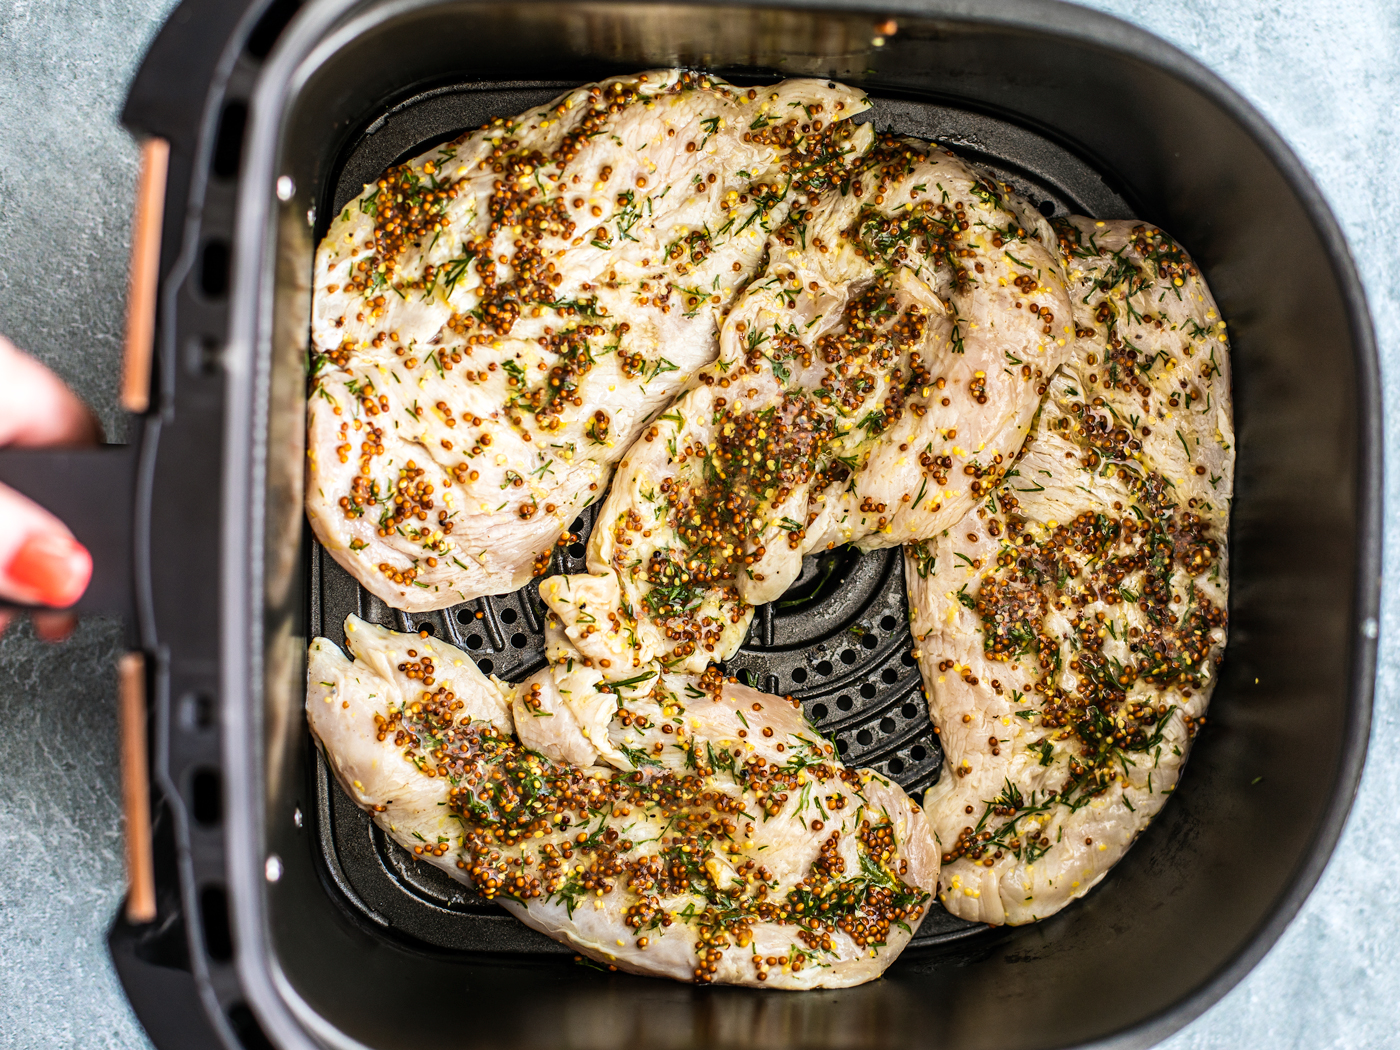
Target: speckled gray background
1327,74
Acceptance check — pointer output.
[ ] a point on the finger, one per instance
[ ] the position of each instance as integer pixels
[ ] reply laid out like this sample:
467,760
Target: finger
37,408
54,627
40,561
5,618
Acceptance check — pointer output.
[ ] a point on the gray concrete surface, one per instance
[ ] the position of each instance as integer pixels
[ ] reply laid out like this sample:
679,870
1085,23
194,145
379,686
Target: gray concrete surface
1326,74
67,176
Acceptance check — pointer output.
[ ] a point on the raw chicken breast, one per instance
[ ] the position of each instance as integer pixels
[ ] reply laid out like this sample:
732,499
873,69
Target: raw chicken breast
873,384
497,319
1069,629
739,851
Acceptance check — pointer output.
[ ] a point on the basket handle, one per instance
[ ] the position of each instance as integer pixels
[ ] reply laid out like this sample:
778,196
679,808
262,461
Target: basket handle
144,275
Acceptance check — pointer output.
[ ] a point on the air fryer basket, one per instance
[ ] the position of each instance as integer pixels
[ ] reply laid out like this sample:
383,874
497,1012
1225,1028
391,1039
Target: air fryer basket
284,915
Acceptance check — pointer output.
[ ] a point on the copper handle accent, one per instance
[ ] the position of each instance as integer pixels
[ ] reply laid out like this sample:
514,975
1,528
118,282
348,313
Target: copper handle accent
144,276
136,789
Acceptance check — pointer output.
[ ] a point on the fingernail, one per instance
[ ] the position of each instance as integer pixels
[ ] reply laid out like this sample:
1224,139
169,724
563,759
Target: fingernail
54,627
51,569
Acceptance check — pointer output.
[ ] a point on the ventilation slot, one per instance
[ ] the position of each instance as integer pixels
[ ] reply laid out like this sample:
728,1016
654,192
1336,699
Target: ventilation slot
207,789
213,911
203,356
245,1026
197,712
213,269
228,146
270,26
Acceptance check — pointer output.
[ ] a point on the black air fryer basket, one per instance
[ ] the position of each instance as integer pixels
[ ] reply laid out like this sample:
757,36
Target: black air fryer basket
281,916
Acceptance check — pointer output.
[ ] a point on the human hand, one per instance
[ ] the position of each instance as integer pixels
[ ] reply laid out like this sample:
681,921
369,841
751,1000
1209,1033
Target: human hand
40,561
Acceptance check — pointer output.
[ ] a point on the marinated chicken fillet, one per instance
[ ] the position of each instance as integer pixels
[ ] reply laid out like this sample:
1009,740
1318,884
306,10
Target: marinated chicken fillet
740,851
496,320
872,386
1070,628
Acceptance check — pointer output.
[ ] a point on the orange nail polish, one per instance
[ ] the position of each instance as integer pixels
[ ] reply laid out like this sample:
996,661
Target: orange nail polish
51,569
54,627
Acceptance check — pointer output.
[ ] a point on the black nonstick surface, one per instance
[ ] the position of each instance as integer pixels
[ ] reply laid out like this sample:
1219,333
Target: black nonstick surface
838,639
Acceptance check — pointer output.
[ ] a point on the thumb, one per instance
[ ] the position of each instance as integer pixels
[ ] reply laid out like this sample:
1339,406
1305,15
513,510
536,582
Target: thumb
40,561
36,408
